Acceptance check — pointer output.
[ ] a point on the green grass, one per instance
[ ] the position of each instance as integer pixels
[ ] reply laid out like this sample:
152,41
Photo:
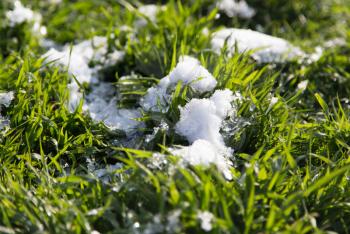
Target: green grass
291,161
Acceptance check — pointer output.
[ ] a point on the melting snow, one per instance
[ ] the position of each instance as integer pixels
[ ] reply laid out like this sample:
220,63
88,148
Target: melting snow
5,100
206,219
265,48
77,60
302,85
190,72
200,122
101,103
150,11
21,14
234,8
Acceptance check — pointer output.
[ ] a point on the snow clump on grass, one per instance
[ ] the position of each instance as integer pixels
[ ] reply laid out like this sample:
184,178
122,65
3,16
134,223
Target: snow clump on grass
149,11
234,8
21,14
206,219
200,122
264,48
190,72
5,100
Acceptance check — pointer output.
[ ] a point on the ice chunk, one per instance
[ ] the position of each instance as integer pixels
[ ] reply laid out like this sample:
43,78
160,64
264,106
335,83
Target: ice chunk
265,48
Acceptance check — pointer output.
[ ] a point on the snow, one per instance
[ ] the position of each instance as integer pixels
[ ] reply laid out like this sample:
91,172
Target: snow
202,118
101,103
150,11
203,152
55,2
21,14
4,123
104,174
302,85
273,101
315,56
190,72
206,218
200,122
335,42
265,48
77,59
103,108
234,8
5,100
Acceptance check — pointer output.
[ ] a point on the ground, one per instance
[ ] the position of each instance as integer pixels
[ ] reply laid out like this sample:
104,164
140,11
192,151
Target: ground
171,117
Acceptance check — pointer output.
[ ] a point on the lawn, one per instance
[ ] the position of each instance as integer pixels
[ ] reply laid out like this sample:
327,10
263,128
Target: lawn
179,116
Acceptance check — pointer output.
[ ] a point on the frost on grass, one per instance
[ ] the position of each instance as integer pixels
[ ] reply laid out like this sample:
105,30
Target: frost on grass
233,8
200,122
264,48
21,14
190,72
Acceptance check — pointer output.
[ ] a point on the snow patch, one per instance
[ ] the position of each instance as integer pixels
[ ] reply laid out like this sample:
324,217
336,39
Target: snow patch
234,8
77,59
200,122
149,11
190,72
101,103
5,100
265,48
302,85
206,219
21,14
